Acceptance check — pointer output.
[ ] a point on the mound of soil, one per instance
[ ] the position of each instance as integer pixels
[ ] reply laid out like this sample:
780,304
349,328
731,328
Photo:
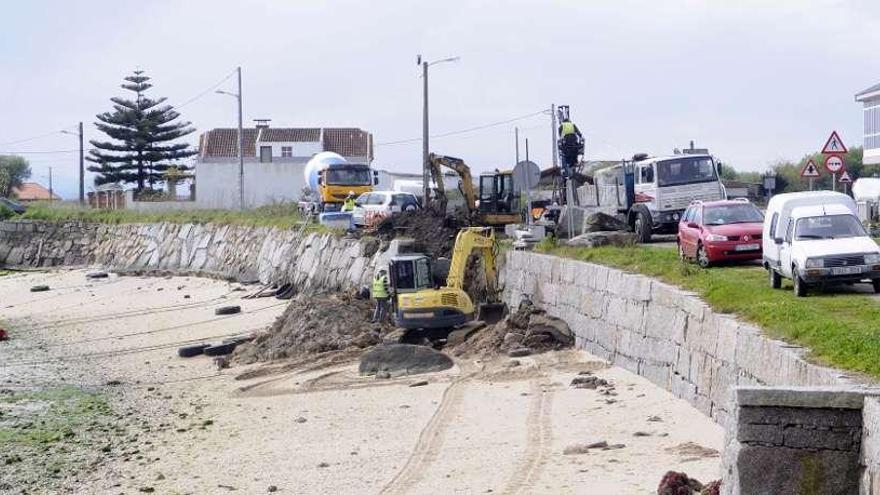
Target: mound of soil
527,331
433,231
313,325
403,359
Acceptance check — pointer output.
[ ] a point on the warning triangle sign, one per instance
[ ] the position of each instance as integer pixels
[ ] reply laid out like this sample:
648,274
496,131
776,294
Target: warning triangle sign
844,177
834,145
810,170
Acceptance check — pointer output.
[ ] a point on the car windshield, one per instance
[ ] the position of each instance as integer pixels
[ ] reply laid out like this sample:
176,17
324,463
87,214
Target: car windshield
828,227
370,199
727,214
683,170
348,177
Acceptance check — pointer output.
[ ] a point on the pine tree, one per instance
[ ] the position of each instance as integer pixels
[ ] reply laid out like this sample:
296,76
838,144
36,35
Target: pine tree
143,131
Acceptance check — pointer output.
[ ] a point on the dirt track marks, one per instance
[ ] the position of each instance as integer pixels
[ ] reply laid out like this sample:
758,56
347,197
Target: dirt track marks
539,439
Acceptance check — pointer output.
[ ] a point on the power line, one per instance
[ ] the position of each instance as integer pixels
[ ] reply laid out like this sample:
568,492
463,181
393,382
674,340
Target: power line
206,91
464,131
37,152
32,138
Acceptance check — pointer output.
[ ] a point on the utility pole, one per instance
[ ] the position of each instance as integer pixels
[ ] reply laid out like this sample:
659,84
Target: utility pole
237,96
82,168
553,146
516,137
425,164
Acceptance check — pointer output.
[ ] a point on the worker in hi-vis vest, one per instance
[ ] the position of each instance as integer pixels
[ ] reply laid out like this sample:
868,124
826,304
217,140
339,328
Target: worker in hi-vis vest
570,142
348,204
380,293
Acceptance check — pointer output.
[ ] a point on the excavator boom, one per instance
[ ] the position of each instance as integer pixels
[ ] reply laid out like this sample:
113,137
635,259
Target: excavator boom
457,165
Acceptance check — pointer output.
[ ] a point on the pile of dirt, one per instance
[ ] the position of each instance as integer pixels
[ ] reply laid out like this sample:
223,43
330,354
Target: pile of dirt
433,231
675,483
529,330
313,325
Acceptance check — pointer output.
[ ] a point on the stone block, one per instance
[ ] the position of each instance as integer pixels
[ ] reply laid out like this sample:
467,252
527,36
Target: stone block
658,374
593,303
682,388
625,313
759,434
665,322
813,418
785,471
835,439
870,455
702,335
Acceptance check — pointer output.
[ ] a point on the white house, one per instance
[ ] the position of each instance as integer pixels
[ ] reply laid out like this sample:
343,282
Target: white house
274,159
870,99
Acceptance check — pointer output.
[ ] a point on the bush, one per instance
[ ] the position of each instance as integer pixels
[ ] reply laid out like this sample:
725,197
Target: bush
6,212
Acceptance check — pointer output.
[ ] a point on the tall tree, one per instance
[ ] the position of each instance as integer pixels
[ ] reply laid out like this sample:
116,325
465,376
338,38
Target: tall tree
143,131
13,171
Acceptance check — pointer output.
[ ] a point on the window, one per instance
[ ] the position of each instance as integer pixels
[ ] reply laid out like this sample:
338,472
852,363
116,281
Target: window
286,151
646,174
773,222
789,230
685,171
265,154
728,214
829,227
698,215
686,218
872,125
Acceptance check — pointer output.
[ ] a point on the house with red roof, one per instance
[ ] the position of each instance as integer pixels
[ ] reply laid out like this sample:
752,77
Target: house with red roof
30,192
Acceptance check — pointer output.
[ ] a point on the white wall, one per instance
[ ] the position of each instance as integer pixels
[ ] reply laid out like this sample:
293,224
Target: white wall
300,149
264,183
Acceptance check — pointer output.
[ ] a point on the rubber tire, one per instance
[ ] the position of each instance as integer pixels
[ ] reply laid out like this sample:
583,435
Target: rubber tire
227,310
97,275
642,227
702,257
775,279
876,284
192,350
39,288
800,288
220,349
242,339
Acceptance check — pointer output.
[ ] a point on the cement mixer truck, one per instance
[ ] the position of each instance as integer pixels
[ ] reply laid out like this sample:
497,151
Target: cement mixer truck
330,178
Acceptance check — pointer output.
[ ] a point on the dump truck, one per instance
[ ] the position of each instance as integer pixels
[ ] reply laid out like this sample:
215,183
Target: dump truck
330,178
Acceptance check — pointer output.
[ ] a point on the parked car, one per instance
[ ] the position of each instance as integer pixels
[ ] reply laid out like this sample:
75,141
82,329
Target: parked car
816,239
382,203
714,231
12,205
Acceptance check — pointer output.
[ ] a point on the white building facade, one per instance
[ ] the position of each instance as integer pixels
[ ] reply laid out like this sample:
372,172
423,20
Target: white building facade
870,99
274,160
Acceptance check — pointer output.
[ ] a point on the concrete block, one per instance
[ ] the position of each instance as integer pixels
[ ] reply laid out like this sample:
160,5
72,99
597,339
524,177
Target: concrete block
836,439
682,388
870,454
625,313
702,335
725,349
626,362
666,323
760,434
803,397
658,374
763,470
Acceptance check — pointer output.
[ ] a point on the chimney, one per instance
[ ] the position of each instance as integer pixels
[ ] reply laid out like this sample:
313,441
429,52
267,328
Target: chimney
262,123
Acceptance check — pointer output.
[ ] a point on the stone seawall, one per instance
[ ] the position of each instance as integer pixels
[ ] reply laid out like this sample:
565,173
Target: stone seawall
309,260
661,332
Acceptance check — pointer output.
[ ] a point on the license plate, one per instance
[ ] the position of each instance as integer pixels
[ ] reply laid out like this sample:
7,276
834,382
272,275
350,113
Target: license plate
747,247
846,270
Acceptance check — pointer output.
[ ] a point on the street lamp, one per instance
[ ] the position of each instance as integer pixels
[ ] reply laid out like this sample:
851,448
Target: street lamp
82,173
425,148
237,96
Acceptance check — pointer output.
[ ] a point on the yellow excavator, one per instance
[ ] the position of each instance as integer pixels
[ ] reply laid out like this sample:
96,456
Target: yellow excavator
498,202
419,303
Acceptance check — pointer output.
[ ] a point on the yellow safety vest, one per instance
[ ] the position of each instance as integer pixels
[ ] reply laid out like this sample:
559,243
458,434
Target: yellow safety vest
379,290
348,204
567,128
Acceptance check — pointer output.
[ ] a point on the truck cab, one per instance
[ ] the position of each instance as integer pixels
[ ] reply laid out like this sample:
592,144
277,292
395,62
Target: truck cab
336,181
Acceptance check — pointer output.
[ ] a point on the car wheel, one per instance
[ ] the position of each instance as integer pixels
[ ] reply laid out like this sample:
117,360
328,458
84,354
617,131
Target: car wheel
409,208
703,257
642,227
800,288
876,284
775,279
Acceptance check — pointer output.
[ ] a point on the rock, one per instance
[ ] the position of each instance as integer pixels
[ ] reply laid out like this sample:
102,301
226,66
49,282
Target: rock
460,335
383,375
403,359
323,465
583,448
420,383
146,489
300,420
512,339
519,352
550,325
596,239
513,363
615,446
395,336
599,222
535,341
39,288
272,489
655,419
641,434
588,382
597,445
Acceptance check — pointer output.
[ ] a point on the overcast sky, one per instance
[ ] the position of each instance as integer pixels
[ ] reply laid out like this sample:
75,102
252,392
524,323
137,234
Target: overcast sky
755,81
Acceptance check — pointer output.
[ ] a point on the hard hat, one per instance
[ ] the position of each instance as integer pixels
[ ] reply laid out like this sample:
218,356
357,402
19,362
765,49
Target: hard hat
351,193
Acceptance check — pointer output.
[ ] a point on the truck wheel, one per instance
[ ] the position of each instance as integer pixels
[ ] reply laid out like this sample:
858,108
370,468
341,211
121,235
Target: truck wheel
775,278
642,227
800,288
876,284
703,257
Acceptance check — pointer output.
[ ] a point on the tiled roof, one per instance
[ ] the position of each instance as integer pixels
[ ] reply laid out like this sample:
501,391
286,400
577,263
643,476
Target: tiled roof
31,191
348,142
224,142
274,135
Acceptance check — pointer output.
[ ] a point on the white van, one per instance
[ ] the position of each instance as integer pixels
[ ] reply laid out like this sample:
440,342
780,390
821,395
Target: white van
815,238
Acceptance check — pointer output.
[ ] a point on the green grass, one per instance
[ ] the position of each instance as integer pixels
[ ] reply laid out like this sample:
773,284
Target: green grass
280,215
841,329
54,415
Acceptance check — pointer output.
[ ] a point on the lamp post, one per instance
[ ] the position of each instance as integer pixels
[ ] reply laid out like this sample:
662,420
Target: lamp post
82,172
425,149
237,96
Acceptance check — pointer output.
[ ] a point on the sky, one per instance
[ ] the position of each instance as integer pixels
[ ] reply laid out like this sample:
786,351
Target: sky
754,81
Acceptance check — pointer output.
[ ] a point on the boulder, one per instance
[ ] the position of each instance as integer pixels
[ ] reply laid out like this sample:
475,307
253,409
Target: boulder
596,239
602,222
460,335
550,325
403,359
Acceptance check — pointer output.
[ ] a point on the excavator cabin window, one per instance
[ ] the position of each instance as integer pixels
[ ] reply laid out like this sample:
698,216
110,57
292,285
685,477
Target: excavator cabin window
497,194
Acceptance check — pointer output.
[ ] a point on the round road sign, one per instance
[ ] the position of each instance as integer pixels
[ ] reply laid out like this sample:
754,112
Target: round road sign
526,175
834,164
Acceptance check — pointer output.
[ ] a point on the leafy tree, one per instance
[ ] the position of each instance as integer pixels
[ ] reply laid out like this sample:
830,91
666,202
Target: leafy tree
13,171
143,131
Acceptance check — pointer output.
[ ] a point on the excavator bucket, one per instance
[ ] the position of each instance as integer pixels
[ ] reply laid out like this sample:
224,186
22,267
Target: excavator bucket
492,313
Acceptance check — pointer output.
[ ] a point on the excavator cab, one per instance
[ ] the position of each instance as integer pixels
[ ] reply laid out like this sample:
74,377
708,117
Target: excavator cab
497,194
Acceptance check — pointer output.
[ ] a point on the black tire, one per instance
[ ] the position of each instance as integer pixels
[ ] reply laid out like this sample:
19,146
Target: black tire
220,349
227,310
97,275
642,227
39,288
241,339
775,279
192,350
876,284
800,287
702,257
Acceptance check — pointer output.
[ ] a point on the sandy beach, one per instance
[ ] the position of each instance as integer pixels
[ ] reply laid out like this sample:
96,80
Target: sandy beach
175,425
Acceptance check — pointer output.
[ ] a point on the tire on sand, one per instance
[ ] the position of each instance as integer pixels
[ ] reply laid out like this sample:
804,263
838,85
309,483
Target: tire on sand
39,288
227,310
192,350
220,349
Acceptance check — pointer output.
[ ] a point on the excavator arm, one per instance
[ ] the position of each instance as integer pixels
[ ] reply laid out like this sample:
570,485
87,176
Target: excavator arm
469,240
459,167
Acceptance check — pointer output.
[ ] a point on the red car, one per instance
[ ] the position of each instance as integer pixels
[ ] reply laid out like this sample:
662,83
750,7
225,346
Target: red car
720,231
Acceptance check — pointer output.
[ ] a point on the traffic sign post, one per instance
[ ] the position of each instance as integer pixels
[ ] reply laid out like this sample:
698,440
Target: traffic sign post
845,179
833,150
834,145
810,171
834,164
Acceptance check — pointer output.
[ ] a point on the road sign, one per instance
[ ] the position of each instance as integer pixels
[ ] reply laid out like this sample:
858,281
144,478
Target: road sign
834,145
844,177
810,170
833,164
526,175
